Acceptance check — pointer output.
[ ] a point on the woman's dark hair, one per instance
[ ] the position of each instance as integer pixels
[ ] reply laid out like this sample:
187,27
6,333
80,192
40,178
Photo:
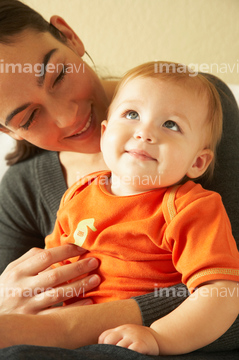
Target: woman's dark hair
16,17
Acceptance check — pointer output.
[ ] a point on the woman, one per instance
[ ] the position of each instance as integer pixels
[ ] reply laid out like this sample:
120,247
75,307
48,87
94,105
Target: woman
58,109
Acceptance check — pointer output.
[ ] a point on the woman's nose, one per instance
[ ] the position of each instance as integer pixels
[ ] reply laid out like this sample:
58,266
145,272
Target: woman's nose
64,114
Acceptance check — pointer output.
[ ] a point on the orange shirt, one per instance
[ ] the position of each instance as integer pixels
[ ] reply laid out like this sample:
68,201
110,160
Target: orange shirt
155,239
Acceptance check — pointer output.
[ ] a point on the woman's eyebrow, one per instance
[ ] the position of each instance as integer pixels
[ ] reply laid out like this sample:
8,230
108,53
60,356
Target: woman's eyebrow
40,81
15,112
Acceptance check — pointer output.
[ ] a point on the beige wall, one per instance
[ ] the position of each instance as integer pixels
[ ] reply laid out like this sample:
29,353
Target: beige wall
120,34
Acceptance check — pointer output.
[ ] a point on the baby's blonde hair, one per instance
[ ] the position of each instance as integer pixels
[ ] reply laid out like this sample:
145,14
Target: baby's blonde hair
169,71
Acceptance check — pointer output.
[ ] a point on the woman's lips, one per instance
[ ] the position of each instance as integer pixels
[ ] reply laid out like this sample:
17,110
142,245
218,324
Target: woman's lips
86,127
141,155
82,131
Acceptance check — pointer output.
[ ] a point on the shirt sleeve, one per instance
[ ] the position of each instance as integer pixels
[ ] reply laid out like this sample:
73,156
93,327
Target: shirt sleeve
200,238
30,193
19,216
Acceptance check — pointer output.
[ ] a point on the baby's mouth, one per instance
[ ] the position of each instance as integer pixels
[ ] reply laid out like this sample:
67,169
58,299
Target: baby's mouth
140,154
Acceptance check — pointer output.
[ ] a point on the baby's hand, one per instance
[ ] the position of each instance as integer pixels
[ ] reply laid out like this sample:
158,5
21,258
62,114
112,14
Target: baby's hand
133,337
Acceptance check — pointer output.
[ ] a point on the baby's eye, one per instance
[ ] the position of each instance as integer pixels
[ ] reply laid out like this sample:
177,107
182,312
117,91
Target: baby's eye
170,124
132,115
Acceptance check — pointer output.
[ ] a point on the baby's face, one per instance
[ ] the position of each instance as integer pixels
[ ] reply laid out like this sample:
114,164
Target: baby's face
155,134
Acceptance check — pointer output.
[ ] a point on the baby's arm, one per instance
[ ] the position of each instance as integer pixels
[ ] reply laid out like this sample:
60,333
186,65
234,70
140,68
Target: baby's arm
198,321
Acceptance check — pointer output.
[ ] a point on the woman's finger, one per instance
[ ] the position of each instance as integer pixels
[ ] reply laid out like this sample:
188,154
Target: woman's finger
29,254
65,292
47,257
62,274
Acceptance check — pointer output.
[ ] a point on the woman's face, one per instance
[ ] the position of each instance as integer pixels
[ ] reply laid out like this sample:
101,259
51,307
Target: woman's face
56,106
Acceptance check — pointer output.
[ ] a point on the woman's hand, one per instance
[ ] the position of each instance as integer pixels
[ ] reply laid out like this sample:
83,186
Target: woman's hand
28,286
134,337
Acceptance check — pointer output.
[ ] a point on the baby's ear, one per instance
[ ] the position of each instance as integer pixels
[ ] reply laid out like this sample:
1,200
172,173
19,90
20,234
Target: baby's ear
103,126
200,164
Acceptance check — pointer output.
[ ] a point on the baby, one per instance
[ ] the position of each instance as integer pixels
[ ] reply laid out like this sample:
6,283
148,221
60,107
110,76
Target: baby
146,221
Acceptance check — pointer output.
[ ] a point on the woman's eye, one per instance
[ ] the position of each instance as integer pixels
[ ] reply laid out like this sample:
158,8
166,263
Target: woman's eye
132,115
169,124
61,76
30,120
